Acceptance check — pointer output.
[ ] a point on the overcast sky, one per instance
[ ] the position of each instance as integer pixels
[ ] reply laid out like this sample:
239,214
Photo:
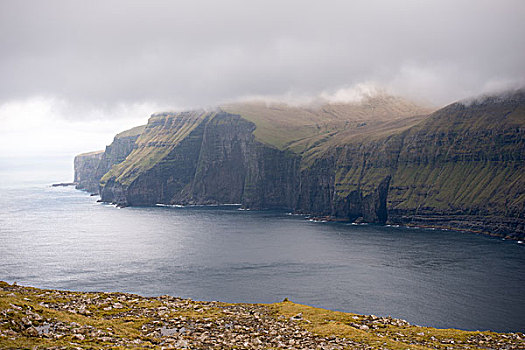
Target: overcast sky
103,66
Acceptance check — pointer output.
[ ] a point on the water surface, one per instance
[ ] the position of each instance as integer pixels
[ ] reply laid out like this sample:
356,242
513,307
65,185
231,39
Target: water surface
62,238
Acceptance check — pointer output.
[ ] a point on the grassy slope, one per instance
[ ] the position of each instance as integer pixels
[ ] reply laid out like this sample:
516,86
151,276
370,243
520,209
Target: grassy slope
468,171
162,133
371,133
303,129
134,321
460,158
396,335
299,129
137,130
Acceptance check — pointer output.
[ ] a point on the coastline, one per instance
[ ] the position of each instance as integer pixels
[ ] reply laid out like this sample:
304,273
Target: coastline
444,225
41,318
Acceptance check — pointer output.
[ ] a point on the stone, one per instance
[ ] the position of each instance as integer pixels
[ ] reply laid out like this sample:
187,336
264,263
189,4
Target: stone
79,337
32,332
297,317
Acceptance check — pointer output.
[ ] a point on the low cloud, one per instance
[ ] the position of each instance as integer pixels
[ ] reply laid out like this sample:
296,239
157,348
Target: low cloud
74,73
201,53
41,126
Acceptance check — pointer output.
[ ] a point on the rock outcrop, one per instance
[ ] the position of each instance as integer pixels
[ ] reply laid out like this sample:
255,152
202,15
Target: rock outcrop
90,167
49,319
86,165
381,160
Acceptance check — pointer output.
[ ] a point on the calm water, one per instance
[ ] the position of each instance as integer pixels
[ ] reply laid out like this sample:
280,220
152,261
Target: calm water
61,238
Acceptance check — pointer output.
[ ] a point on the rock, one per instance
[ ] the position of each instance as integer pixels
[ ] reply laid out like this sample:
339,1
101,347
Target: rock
79,337
26,321
10,332
225,326
16,307
181,343
297,317
216,158
32,332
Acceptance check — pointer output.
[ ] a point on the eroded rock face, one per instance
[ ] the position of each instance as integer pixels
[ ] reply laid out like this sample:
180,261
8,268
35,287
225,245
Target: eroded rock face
220,162
463,168
90,167
86,166
459,167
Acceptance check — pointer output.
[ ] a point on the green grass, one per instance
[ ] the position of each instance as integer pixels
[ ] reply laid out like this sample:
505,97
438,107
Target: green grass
124,325
154,144
332,323
302,128
132,132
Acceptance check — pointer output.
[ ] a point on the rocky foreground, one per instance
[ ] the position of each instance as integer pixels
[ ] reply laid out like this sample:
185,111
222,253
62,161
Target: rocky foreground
36,318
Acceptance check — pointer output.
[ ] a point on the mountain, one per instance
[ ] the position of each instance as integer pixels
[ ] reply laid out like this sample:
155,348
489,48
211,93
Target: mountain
383,159
90,167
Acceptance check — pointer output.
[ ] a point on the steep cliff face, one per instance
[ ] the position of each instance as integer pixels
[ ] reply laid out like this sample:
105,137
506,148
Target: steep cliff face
162,162
217,160
381,160
91,167
464,166
122,145
86,165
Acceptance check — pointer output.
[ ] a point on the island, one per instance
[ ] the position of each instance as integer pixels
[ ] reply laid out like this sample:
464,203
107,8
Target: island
381,160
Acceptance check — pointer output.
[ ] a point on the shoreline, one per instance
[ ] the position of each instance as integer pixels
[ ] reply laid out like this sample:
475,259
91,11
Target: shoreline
45,318
461,223
411,222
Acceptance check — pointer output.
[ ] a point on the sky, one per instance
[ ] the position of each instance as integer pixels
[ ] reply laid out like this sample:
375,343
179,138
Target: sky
75,73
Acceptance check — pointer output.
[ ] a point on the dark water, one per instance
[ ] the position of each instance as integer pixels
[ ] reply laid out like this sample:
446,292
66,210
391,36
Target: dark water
62,238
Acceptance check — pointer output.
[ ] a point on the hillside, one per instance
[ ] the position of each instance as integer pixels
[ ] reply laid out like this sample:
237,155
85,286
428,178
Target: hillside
300,129
39,318
461,167
91,167
381,160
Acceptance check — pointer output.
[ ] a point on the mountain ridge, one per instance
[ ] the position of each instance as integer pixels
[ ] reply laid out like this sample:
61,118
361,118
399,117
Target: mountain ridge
383,160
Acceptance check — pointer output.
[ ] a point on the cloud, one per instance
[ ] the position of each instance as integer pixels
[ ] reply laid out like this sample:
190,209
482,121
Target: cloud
99,55
41,126
354,94
74,73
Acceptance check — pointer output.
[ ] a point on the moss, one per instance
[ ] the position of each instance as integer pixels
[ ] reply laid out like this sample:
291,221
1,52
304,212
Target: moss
339,324
137,130
127,326
153,145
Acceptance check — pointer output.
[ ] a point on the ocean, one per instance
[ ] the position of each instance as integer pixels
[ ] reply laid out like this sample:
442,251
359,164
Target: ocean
59,237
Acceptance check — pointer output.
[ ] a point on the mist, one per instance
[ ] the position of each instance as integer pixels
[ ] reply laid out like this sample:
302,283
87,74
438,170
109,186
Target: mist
74,73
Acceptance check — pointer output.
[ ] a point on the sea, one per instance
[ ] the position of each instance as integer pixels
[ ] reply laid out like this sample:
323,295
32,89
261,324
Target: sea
62,238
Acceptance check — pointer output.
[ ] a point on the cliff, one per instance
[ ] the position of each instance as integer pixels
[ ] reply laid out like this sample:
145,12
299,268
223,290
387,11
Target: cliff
381,160
86,165
465,165
461,167
257,155
90,167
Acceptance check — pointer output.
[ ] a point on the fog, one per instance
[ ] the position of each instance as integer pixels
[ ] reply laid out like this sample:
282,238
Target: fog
76,72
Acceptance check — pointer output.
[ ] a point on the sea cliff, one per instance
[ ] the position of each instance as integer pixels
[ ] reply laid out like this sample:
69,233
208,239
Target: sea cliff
90,167
382,160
